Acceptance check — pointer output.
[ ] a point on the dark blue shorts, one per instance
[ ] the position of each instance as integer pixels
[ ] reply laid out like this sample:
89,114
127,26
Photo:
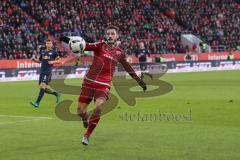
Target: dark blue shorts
143,66
45,78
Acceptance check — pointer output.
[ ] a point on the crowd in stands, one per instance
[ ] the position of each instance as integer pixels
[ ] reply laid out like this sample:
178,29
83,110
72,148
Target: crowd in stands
19,35
216,22
158,23
137,20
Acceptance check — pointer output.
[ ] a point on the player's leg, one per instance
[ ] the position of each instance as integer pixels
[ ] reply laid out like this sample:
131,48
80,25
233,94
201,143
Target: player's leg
144,71
43,82
100,97
82,112
94,119
40,94
84,99
96,114
50,90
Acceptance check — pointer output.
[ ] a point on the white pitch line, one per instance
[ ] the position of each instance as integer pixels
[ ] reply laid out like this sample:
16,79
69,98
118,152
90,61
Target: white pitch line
12,116
3,123
28,119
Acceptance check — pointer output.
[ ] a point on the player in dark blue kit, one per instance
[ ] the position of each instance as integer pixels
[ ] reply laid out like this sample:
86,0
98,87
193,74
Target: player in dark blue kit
142,54
48,57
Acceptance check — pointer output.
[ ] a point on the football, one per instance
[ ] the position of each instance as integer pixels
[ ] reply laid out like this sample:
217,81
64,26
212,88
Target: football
77,44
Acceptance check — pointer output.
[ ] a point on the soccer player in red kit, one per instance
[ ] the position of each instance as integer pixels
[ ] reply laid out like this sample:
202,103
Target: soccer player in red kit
97,81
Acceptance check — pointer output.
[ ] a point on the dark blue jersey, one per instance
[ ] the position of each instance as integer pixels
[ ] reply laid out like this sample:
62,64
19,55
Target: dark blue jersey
45,57
142,54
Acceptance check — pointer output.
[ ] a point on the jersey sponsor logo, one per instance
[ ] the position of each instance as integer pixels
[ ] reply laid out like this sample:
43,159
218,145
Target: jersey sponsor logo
108,56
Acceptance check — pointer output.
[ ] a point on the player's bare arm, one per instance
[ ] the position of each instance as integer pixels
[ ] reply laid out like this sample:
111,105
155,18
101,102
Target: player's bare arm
56,61
37,60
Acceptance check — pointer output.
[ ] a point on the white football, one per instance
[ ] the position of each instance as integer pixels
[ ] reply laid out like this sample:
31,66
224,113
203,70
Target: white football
77,44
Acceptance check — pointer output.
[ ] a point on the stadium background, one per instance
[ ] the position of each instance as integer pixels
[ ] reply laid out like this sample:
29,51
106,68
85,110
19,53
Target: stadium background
26,23
164,27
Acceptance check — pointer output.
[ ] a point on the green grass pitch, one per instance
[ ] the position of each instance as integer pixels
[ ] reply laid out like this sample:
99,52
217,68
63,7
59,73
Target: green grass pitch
212,133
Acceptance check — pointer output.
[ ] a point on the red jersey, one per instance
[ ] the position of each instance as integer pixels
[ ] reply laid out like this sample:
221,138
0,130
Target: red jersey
104,62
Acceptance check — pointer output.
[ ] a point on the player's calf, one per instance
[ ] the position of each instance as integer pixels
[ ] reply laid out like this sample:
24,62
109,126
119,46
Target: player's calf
51,91
93,121
82,112
95,117
40,95
84,117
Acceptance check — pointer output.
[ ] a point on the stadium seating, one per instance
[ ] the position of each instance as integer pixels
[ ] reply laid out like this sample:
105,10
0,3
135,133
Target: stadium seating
216,22
159,24
20,36
137,21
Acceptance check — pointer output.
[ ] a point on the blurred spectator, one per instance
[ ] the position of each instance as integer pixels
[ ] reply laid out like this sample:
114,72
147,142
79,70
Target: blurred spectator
19,35
216,22
158,23
137,20
230,56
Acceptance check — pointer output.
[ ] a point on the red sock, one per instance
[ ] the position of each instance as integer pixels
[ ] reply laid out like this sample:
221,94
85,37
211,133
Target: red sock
84,116
94,119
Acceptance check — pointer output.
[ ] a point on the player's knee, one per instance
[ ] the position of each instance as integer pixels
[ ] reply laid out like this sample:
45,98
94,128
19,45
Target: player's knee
48,87
97,111
99,103
43,86
82,106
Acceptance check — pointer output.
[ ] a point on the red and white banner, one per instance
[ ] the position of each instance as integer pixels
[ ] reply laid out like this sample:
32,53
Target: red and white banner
199,57
27,63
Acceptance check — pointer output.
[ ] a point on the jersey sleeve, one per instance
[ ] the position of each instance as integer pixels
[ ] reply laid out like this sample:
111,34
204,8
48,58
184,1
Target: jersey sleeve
128,68
56,55
93,46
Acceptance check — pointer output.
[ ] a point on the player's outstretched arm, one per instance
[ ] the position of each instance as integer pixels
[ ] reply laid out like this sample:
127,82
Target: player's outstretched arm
56,61
35,60
133,74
